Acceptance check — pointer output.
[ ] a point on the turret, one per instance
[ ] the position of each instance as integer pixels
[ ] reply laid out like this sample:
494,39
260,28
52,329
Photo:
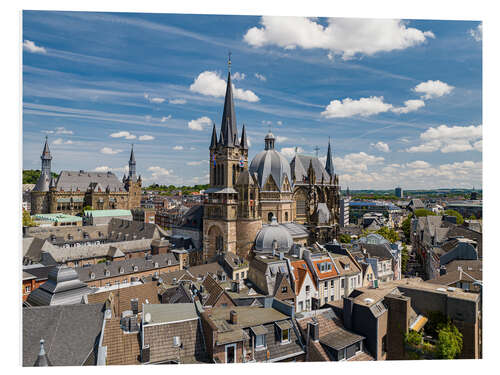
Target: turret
42,359
244,143
269,141
213,143
43,183
329,161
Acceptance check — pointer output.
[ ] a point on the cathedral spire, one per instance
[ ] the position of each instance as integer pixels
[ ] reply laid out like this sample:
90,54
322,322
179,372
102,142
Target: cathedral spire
244,143
229,132
43,182
131,165
213,143
329,160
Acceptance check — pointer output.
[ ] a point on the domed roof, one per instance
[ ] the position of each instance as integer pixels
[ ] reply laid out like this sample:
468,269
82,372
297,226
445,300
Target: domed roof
265,240
270,162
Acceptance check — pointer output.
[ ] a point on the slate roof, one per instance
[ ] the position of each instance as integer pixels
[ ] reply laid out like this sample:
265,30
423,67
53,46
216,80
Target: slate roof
202,270
121,348
300,164
124,267
213,289
71,333
81,180
193,218
271,163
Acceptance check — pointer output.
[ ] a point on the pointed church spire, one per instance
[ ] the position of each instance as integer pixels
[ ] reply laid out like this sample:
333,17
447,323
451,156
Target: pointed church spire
213,143
42,359
329,160
229,133
243,143
46,152
43,182
131,164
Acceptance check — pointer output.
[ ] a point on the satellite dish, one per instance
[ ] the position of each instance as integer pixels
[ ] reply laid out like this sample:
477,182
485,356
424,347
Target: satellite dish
147,318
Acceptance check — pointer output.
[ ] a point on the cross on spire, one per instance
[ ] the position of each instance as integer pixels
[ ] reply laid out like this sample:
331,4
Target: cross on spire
229,61
317,150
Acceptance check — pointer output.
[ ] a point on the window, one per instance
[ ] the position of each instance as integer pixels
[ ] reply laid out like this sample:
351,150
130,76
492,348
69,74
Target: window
342,283
284,289
341,355
359,279
92,275
237,276
326,284
27,289
331,297
331,283
121,270
260,341
107,273
231,353
308,288
156,264
270,216
308,304
136,268
285,335
384,344
286,216
301,306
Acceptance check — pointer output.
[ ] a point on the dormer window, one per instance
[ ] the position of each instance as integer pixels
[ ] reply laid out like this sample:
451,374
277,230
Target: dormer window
92,276
122,270
284,331
156,264
107,273
136,268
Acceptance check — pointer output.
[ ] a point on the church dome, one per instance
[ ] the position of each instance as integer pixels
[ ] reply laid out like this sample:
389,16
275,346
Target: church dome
270,162
273,236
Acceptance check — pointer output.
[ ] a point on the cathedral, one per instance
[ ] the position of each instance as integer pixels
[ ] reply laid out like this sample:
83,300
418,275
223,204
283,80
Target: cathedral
268,204
71,191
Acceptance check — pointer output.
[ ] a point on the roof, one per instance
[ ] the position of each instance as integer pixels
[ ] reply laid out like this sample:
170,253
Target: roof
340,339
248,316
70,332
121,297
107,213
121,348
300,271
270,163
325,274
169,312
58,218
268,234
229,132
213,289
300,165
81,180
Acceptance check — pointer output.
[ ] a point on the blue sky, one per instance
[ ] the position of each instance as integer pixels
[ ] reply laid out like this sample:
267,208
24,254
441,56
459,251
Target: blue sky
400,100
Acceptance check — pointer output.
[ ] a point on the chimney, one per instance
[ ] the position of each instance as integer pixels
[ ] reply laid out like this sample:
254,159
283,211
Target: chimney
235,286
282,255
133,326
314,330
347,313
134,304
145,354
233,317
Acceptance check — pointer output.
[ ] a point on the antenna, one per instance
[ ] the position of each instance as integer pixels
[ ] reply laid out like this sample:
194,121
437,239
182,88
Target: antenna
229,61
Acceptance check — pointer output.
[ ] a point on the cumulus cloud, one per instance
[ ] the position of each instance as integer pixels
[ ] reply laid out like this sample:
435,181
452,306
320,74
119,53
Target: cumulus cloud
158,172
281,139
381,146
450,139
410,106
433,89
198,162
60,141
153,99
105,168
177,101
260,77
109,151
178,148
122,134
289,152
146,137
418,164
30,46
62,130
477,33
198,124
357,161
238,76
349,107
210,83
279,123
341,36
165,118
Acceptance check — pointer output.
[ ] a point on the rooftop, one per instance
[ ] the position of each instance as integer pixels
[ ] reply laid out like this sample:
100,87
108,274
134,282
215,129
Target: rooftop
169,313
106,213
58,218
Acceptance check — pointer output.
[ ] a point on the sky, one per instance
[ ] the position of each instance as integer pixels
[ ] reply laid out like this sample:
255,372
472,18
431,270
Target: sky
400,100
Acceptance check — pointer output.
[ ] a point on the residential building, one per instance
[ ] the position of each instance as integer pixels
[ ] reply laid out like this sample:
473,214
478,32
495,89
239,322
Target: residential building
103,217
305,287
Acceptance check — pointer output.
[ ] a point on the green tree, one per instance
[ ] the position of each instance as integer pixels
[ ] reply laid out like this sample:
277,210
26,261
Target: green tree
405,225
472,217
424,212
404,259
30,176
389,234
450,342
27,220
345,238
460,219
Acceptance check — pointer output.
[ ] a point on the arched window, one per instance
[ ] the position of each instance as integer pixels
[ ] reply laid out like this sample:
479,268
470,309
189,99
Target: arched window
270,216
286,216
234,174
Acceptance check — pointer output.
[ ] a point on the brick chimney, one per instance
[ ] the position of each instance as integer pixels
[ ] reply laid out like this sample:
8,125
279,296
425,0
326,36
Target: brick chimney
233,317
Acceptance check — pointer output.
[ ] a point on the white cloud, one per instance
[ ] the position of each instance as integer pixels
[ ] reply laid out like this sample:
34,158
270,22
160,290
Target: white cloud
381,146
178,148
260,77
60,141
164,119
199,162
356,161
281,139
199,123
433,89
122,134
477,33
62,130
418,164
342,36
289,152
210,83
249,141
450,139
146,137
237,76
349,107
177,101
109,151
158,172
266,122
155,100
30,46
410,106
105,168
279,123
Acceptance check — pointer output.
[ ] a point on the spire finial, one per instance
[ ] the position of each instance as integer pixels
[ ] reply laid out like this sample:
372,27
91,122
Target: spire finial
316,149
229,62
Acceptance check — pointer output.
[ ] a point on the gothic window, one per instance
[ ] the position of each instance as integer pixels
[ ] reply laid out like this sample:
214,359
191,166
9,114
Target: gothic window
270,216
286,216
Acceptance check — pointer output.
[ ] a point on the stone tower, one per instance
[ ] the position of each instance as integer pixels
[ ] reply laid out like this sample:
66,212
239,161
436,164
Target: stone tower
40,193
228,158
133,184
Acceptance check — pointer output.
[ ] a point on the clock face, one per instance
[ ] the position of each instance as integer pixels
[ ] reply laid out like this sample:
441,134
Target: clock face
242,162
